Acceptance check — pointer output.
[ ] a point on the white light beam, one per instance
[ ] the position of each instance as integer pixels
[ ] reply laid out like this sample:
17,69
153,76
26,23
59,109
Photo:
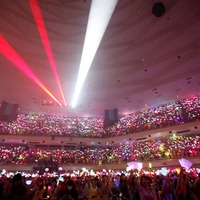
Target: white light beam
99,17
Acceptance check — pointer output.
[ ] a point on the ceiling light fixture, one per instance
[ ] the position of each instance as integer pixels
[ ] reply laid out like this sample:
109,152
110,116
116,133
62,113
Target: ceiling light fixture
99,17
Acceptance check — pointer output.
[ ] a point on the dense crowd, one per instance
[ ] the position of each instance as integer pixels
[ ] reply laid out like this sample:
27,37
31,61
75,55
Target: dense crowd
175,113
134,186
107,186
165,148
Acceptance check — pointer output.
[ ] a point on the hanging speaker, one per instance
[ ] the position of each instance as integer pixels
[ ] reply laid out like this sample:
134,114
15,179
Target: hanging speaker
8,111
111,117
158,9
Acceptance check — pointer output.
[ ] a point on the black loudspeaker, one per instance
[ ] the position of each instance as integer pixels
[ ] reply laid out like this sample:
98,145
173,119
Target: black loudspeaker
8,111
158,9
111,117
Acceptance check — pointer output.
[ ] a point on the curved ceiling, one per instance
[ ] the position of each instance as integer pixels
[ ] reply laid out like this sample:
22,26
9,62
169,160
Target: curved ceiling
142,61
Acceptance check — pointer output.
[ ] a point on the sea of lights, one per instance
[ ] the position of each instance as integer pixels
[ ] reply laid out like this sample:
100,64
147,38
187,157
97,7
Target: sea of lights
163,171
148,119
128,152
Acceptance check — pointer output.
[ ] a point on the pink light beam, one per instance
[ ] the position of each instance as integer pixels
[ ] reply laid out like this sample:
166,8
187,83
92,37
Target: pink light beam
7,50
44,37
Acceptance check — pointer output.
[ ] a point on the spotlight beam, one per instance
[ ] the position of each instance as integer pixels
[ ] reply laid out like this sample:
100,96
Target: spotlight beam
13,57
44,37
99,17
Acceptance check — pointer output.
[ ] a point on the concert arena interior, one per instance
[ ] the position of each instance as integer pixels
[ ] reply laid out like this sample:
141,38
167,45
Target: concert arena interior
99,88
